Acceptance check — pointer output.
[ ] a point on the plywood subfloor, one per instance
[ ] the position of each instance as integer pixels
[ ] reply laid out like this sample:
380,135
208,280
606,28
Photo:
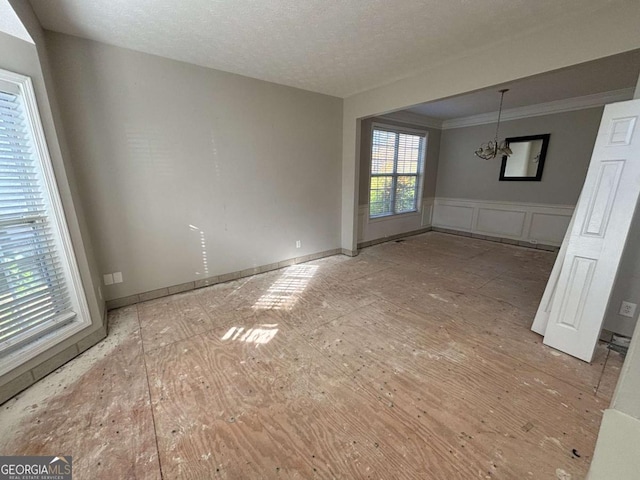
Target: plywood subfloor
412,360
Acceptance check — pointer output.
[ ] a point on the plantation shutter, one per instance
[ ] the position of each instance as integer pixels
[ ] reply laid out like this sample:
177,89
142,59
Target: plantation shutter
33,288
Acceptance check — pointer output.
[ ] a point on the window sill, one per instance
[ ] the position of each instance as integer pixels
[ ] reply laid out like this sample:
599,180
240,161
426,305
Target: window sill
395,216
29,351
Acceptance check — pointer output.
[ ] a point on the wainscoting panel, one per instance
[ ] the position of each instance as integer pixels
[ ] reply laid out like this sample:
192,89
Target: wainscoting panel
548,227
523,222
452,215
492,221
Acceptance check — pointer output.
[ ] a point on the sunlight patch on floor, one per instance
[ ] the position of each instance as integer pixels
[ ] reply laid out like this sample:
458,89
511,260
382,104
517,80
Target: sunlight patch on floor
285,291
259,336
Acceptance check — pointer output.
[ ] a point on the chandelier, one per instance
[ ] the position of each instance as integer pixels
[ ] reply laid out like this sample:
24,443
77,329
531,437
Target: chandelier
491,149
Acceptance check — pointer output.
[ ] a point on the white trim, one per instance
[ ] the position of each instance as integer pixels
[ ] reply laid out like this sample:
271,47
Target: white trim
393,216
548,108
525,222
413,118
427,212
58,222
49,340
505,203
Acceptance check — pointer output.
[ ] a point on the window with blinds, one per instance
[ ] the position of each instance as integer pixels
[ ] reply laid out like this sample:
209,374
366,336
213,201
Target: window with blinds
397,160
34,296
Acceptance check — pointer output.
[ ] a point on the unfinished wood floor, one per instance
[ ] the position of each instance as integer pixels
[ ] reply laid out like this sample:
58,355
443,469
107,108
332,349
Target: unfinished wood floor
412,360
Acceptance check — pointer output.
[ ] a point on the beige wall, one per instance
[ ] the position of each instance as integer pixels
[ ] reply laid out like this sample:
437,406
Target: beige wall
188,172
462,175
626,397
616,454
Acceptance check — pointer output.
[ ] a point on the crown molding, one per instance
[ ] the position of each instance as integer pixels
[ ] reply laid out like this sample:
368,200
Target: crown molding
558,106
412,118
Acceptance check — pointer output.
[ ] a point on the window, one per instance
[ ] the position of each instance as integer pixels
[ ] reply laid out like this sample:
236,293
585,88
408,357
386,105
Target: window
397,160
39,280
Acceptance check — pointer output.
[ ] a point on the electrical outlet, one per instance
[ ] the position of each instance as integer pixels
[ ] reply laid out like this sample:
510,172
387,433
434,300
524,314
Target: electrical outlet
117,277
628,309
298,243
108,279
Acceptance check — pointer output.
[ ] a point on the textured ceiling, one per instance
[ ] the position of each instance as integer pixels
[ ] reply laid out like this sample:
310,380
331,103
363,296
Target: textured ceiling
338,47
607,74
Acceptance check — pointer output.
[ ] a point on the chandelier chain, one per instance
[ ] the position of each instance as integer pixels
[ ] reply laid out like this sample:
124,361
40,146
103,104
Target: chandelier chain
502,92
490,150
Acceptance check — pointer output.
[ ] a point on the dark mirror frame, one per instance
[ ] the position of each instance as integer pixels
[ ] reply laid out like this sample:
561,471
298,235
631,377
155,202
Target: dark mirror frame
543,155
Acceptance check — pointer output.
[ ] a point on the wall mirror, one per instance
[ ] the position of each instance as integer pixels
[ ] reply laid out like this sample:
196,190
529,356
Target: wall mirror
527,160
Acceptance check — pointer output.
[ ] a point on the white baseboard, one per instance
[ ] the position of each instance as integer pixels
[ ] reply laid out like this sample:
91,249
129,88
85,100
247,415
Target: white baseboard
525,222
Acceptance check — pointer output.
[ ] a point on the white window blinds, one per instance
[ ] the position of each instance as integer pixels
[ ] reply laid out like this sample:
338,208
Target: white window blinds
33,288
397,160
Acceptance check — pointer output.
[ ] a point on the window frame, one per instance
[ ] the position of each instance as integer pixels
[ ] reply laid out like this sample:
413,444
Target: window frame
44,337
419,175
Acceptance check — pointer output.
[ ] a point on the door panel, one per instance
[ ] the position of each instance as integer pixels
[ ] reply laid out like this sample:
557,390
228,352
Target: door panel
544,309
597,236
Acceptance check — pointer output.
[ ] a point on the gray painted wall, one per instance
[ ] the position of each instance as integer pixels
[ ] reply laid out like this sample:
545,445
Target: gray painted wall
462,175
188,172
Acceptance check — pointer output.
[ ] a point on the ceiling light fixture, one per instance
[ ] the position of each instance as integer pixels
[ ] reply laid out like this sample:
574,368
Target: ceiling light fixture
490,150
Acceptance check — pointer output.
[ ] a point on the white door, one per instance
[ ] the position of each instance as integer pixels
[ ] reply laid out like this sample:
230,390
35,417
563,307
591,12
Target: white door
541,319
597,237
